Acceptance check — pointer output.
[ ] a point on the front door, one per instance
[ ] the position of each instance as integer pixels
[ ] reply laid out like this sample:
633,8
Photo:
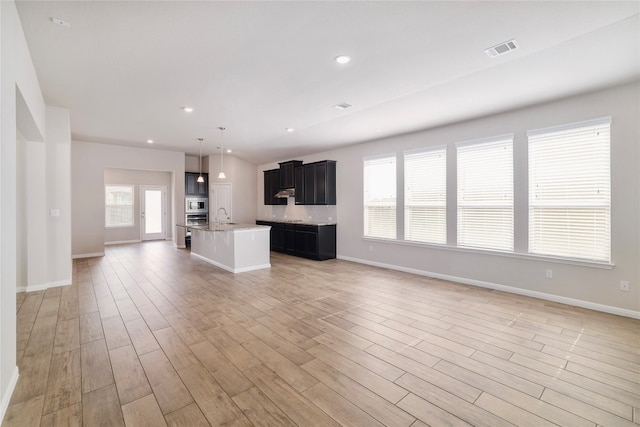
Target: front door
153,212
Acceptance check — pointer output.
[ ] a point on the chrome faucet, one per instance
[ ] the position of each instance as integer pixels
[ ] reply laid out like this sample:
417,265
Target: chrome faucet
218,214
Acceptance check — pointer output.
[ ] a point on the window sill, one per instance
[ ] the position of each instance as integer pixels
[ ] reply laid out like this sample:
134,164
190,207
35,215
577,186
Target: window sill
526,256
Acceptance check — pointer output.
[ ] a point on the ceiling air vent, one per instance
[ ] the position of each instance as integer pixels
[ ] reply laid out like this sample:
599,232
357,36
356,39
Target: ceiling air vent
502,48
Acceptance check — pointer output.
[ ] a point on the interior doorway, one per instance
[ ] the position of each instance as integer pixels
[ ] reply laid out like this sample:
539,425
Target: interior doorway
220,203
153,212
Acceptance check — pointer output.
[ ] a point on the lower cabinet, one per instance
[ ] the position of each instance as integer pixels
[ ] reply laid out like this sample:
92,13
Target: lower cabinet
304,240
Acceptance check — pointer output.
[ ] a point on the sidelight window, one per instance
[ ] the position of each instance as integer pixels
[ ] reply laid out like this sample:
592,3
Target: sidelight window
118,201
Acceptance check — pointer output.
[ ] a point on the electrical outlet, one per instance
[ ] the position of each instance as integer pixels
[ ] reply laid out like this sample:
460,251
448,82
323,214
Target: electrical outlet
549,274
624,286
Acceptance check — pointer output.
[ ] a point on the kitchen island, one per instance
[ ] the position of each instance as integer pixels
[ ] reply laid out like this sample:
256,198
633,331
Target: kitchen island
236,248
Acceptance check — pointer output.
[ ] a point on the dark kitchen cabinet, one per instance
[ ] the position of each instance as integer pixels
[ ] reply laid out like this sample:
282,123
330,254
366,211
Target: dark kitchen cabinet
298,175
287,170
319,183
271,187
304,240
193,188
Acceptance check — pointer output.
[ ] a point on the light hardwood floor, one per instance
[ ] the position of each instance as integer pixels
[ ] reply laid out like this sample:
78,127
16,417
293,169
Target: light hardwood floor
148,336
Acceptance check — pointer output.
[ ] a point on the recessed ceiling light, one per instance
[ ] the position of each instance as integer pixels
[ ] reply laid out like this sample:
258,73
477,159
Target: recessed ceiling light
60,22
342,106
149,141
343,59
187,109
289,130
228,150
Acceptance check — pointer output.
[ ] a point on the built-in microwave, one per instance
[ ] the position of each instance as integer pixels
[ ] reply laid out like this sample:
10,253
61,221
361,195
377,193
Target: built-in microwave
196,205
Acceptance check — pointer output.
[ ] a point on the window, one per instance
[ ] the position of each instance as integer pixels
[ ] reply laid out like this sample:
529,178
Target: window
485,194
118,202
380,197
569,191
425,196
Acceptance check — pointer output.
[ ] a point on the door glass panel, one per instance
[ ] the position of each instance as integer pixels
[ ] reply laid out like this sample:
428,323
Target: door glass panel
152,211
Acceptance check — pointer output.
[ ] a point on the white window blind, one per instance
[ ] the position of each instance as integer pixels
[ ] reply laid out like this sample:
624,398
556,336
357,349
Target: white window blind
118,201
425,196
380,197
485,194
569,191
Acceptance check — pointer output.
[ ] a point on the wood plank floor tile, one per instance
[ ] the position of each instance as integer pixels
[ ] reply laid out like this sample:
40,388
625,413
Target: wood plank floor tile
102,408
289,371
370,402
228,376
189,416
143,412
296,406
167,386
115,333
214,403
178,353
429,413
341,410
71,416
67,336
151,332
462,409
64,387
24,414
130,378
143,340
96,366
385,388
90,327
261,411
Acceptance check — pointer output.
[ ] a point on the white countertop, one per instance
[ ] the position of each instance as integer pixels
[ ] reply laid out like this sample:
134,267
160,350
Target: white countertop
298,221
224,227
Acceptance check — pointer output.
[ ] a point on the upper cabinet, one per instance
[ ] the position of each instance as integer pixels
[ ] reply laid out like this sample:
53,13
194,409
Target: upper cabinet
193,188
287,170
271,187
319,183
314,183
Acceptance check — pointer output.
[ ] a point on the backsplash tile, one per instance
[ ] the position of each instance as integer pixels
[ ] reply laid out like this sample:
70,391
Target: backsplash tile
299,212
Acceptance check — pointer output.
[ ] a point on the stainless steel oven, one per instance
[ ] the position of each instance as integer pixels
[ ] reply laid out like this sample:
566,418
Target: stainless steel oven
194,219
196,205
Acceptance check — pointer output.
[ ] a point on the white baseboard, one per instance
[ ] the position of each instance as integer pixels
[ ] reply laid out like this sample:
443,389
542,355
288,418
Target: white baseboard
6,397
91,255
122,242
231,269
43,286
526,292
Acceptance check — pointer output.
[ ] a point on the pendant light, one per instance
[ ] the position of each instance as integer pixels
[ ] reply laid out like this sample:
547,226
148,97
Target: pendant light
221,175
200,177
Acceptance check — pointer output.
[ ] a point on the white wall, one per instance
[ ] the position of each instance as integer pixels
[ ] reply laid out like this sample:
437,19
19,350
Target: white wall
242,176
22,110
581,285
88,162
136,178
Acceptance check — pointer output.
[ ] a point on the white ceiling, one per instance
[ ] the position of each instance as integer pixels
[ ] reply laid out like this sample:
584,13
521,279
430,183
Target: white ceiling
124,69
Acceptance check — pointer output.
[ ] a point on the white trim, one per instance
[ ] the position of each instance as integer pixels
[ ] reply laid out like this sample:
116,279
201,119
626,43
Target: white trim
43,286
380,156
507,137
534,294
231,269
9,391
583,124
120,242
88,255
424,150
519,255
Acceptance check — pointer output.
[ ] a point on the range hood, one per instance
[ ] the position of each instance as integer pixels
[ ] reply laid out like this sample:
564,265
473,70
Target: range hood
286,192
